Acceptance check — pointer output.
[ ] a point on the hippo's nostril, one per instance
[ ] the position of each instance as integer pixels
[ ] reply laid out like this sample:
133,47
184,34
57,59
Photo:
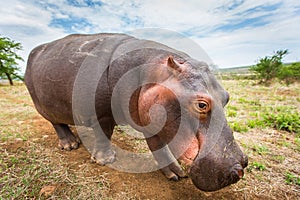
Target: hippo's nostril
237,172
240,173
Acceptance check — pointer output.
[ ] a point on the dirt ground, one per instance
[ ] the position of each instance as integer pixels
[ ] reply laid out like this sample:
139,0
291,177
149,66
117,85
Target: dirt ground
57,174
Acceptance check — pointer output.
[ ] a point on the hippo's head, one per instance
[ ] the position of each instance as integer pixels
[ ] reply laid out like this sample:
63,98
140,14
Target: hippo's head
196,129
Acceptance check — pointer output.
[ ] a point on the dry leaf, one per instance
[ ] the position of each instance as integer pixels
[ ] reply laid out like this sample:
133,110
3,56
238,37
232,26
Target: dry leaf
47,190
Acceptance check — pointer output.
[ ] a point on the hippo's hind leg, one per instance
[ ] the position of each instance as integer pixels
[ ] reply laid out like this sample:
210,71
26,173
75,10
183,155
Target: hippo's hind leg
102,152
67,140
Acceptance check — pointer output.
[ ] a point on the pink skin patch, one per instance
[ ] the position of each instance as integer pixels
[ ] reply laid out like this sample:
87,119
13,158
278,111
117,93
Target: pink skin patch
190,154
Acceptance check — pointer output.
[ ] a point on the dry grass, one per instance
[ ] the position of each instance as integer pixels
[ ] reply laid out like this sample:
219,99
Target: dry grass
32,167
29,168
273,154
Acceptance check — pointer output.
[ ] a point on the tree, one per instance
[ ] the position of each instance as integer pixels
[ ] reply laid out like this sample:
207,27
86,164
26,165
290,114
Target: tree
8,59
268,67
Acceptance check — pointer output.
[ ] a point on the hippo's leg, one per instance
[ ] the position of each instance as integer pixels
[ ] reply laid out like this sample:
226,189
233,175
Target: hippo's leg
102,152
173,171
67,140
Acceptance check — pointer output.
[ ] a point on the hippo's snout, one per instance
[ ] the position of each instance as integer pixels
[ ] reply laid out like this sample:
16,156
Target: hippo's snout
211,174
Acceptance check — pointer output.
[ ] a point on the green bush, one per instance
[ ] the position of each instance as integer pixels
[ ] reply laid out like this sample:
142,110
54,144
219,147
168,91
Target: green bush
271,67
287,120
280,118
290,73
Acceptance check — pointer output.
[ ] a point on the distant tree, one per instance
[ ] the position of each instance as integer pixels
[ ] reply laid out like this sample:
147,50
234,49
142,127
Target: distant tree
268,67
8,59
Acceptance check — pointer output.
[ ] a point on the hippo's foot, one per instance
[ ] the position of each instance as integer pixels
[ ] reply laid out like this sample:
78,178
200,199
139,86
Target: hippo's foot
103,158
69,143
67,140
173,172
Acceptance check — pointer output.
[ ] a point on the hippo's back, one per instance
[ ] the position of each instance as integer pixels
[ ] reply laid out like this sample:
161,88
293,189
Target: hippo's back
52,69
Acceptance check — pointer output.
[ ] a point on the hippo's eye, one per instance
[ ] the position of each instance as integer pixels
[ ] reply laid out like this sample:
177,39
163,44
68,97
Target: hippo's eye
202,106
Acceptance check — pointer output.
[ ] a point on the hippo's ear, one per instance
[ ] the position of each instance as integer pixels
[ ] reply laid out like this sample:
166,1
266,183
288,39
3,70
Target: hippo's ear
173,65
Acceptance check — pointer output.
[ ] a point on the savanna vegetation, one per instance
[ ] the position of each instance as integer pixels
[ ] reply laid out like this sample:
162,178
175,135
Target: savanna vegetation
265,120
272,67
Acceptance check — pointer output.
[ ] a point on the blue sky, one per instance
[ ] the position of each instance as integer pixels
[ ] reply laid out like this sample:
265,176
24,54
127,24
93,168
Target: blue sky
231,32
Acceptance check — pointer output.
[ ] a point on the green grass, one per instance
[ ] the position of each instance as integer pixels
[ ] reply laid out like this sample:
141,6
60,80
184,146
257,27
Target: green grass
21,175
291,178
238,127
231,113
248,103
297,142
280,118
261,149
278,158
256,166
231,107
256,123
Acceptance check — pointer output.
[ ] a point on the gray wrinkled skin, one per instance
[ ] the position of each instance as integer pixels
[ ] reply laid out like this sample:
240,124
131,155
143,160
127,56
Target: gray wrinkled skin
200,140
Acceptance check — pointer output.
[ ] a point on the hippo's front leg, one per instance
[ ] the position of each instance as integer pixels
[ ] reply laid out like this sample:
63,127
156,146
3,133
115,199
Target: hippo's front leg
163,156
102,152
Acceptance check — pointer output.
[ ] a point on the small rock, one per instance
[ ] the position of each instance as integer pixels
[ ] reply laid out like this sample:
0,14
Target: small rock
18,139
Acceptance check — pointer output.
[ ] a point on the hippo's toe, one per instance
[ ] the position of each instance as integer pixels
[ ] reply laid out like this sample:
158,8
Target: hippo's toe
69,143
174,172
103,158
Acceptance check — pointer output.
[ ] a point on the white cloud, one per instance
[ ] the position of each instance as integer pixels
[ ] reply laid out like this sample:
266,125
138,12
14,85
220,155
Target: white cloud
214,24
28,24
246,45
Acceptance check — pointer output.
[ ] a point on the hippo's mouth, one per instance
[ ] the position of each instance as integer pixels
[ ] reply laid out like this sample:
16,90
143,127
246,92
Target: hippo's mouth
190,154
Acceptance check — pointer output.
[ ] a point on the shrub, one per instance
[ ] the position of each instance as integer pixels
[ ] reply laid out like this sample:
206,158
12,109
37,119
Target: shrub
288,121
280,117
271,67
290,73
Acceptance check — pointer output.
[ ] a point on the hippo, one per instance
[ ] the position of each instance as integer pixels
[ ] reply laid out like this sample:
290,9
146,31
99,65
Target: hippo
172,98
